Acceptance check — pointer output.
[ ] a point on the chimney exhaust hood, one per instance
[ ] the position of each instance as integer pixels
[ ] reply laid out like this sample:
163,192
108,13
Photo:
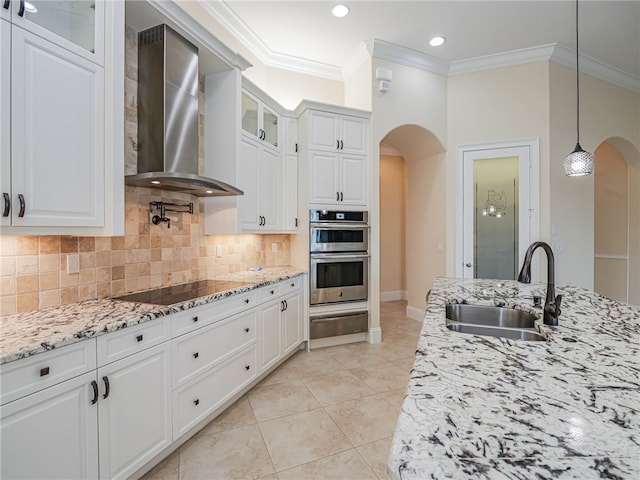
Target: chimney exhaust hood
168,116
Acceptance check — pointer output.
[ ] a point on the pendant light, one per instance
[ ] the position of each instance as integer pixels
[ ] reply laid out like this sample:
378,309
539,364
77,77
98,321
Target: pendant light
578,162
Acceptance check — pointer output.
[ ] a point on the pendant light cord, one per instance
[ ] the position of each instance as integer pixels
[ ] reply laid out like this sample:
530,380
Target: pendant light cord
577,82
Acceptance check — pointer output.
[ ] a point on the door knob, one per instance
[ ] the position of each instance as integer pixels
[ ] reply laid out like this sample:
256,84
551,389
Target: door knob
468,264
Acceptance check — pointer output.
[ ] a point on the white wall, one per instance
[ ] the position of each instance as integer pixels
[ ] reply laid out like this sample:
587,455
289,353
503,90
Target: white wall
393,205
606,111
504,104
416,102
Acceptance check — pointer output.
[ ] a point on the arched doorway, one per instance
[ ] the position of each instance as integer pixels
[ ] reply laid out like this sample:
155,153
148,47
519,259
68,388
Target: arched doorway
412,215
617,221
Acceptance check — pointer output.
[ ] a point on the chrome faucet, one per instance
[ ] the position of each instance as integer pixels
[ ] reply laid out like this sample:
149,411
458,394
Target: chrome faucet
551,302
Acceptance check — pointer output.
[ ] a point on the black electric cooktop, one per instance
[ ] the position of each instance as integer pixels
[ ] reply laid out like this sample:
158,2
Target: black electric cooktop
181,293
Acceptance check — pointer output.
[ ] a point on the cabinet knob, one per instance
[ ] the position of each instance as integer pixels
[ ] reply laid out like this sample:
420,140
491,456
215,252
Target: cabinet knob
196,402
247,367
196,355
195,319
246,329
272,292
139,338
44,371
246,300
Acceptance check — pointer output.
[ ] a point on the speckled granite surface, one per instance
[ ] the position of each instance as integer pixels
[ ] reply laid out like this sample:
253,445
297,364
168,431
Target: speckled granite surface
26,334
491,408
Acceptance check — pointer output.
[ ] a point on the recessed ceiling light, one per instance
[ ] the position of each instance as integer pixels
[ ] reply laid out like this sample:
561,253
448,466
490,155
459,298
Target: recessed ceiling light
340,11
436,41
30,7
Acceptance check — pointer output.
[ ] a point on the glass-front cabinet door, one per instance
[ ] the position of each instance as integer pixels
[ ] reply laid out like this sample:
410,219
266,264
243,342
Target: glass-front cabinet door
249,115
76,25
270,127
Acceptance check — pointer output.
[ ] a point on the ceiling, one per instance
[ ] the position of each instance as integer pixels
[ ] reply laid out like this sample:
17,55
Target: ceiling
291,34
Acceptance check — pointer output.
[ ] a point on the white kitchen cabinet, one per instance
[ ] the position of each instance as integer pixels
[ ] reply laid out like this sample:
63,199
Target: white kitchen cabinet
270,336
337,179
290,190
63,159
259,120
5,120
134,411
243,148
52,433
292,323
260,177
290,135
337,133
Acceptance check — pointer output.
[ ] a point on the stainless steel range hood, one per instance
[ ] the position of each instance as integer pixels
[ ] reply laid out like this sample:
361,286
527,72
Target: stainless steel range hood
168,116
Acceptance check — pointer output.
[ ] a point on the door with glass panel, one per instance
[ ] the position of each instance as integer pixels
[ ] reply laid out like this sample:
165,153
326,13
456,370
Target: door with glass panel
497,211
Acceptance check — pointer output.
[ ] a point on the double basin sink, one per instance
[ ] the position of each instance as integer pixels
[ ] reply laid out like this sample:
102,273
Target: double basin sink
492,321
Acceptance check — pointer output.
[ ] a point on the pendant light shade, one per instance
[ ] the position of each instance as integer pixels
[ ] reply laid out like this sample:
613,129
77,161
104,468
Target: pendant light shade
578,162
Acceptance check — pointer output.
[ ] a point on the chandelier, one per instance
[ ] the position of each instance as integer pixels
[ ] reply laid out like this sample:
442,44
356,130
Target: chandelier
496,205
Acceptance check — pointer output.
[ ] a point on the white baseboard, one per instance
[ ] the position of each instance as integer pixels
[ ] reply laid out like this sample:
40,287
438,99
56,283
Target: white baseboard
415,313
391,296
374,335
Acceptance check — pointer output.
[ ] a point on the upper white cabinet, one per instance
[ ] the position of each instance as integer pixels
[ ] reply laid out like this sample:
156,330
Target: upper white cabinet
243,147
62,104
337,133
335,154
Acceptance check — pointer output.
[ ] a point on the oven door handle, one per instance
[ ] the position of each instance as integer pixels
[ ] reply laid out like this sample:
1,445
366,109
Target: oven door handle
346,256
339,226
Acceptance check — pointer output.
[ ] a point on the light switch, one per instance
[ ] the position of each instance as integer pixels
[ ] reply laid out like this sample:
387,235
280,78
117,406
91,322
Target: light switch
218,250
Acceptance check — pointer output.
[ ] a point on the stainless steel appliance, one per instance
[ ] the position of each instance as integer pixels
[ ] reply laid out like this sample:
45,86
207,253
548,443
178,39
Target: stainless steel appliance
339,258
332,325
331,231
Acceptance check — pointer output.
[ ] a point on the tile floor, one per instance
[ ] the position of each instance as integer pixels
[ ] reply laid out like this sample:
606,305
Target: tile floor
328,414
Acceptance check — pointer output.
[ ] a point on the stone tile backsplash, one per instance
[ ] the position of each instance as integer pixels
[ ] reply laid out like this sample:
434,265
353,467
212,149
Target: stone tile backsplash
33,271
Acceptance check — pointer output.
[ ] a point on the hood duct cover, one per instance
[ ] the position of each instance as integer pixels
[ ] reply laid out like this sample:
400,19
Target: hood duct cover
168,116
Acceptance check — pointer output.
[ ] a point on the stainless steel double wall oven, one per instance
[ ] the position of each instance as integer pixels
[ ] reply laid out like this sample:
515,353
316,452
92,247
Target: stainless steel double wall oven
338,269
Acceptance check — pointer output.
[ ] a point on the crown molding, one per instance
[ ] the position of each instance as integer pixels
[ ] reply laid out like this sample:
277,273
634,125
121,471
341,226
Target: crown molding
224,15
501,60
407,57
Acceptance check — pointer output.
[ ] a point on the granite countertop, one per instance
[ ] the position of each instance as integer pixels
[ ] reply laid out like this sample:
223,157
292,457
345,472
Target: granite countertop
26,334
492,408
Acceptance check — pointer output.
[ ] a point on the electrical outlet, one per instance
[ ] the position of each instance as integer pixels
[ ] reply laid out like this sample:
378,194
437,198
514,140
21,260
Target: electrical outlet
274,247
73,263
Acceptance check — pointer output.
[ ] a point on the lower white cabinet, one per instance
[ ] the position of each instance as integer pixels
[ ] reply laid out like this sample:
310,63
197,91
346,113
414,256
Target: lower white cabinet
53,433
104,408
134,411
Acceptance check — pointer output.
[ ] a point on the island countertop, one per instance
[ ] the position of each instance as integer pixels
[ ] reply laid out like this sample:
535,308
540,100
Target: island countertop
494,408
26,334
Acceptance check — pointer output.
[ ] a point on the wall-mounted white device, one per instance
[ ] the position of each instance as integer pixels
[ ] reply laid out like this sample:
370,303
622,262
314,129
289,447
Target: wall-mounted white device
384,76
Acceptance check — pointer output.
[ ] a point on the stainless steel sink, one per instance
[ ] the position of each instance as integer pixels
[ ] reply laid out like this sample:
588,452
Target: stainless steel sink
492,322
513,333
490,316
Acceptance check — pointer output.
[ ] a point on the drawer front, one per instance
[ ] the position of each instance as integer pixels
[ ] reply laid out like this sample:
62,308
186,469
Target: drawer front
200,398
130,340
291,285
200,350
198,317
28,375
269,292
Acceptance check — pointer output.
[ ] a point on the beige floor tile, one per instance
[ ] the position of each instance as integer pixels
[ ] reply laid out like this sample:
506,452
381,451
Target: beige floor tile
347,465
382,377
358,355
397,351
337,387
280,399
240,414
233,454
168,469
302,438
285,373
405,363
318,362
365,420
272,476
394,397
376,455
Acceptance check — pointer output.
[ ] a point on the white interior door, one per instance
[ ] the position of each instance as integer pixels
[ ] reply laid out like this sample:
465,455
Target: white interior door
498,220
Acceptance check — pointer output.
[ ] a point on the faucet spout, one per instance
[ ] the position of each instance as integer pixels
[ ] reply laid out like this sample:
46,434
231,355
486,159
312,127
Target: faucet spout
552,302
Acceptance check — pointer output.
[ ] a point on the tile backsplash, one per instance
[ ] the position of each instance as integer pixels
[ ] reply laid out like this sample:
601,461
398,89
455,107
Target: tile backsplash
33,270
